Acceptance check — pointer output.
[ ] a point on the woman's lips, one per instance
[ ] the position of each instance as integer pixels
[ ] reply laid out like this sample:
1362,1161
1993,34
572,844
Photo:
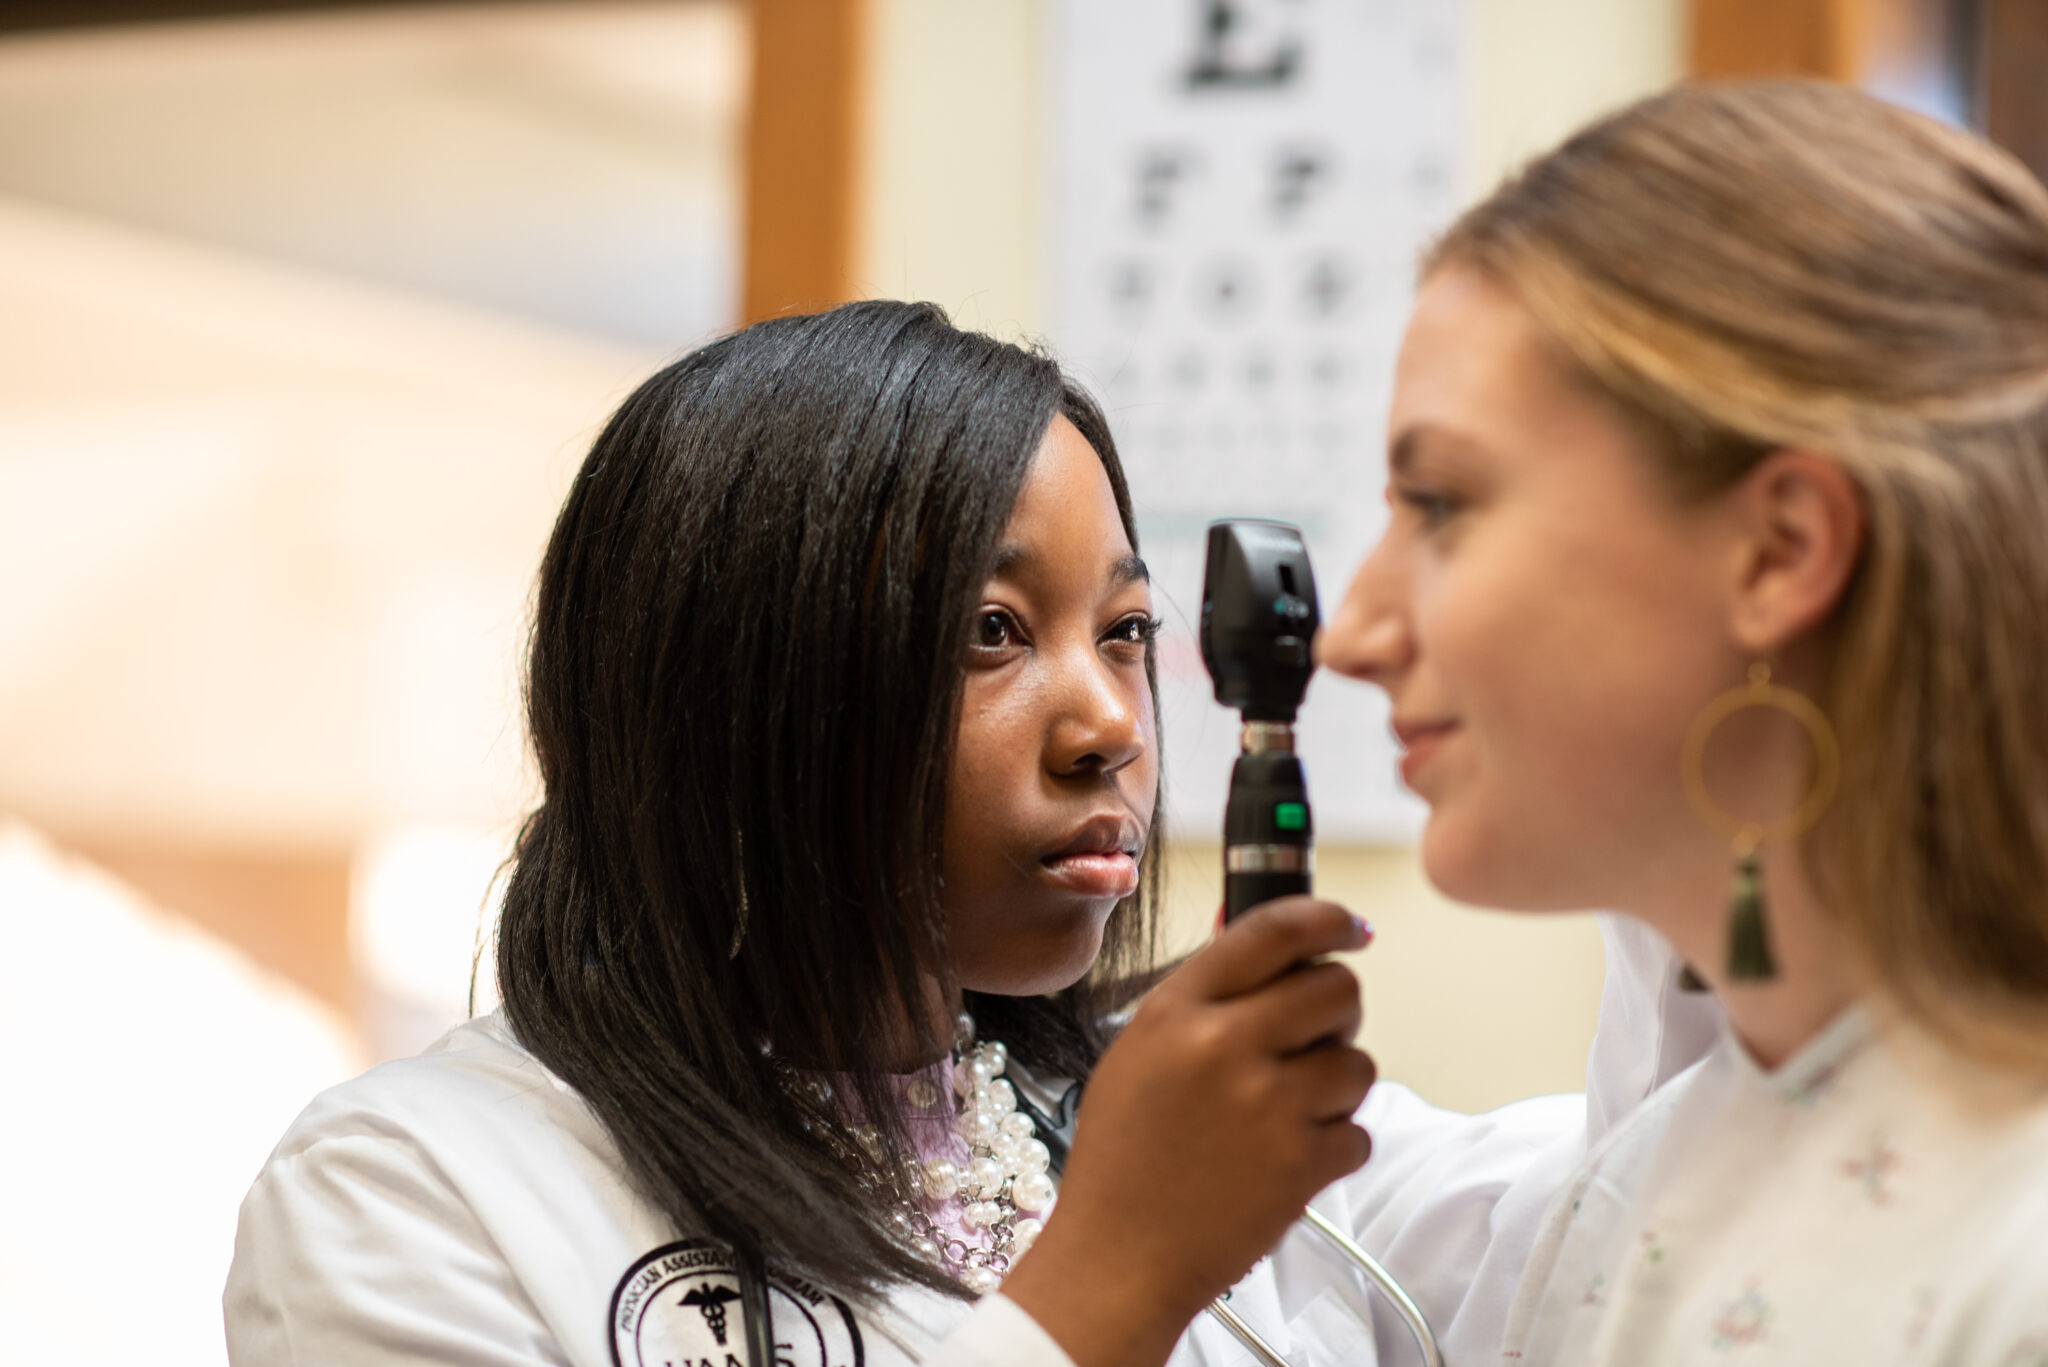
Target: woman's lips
1094,873
1418,744
1099,858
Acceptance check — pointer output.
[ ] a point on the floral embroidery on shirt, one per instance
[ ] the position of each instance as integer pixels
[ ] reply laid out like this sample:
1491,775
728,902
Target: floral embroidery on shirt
1924,1301
1873,1170
1742,1321
1595,1291
1653,1248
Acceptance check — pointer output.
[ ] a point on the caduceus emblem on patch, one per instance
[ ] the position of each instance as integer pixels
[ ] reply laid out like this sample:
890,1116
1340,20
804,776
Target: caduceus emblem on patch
680,1306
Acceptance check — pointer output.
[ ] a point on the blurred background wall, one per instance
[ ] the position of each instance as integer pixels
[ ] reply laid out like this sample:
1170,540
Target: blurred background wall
305,321
308,316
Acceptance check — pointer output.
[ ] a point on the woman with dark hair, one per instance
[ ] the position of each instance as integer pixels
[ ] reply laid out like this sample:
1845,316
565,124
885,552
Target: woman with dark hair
842,693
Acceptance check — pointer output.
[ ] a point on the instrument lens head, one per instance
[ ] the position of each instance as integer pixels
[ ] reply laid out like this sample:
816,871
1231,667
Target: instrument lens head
1259,617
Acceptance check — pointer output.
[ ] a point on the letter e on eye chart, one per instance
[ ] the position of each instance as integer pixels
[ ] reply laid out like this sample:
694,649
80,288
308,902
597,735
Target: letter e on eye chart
1237,193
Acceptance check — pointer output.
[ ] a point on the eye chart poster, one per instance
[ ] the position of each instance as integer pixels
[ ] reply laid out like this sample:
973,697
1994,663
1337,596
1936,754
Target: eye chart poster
1238,192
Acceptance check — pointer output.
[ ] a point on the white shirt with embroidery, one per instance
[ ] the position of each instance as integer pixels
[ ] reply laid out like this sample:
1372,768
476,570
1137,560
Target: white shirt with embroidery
1874,1201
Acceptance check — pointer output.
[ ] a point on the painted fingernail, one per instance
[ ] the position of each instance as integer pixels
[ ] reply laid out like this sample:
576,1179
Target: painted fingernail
1365,930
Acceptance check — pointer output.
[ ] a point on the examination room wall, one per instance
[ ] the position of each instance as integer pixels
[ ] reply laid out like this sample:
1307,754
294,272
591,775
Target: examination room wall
308,321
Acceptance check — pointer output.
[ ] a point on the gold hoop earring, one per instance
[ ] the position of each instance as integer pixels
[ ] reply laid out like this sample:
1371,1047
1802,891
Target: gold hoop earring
1749,941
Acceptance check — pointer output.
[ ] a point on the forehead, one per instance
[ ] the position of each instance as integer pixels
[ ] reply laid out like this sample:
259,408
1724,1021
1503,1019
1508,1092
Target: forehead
1066,510
1478,375
1471,342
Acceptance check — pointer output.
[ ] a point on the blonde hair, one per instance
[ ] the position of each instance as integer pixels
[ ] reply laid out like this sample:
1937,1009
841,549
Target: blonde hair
1755,266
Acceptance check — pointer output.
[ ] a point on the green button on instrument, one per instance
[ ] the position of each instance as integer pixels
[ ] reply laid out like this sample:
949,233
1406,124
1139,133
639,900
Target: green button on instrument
1290,816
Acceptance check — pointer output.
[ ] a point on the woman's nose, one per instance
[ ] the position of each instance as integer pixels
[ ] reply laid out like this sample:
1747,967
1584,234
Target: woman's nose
1369,637
1101,727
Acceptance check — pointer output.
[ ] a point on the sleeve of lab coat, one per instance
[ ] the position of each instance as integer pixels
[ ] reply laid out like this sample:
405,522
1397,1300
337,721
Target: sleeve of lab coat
1453,1204
351,1251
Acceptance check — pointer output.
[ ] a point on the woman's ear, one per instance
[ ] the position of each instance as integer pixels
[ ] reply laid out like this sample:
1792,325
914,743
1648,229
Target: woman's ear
1801,520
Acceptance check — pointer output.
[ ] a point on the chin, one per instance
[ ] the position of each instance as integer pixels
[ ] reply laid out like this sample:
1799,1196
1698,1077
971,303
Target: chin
1035,965
1444,861
1468,864
1500,869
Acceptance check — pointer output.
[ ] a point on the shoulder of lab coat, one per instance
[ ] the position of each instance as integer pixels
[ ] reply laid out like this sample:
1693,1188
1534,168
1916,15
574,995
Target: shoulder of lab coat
380,1231
465,1208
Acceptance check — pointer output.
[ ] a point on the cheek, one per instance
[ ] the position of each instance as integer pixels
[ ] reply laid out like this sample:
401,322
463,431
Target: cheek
979,778
1143,789
1573,683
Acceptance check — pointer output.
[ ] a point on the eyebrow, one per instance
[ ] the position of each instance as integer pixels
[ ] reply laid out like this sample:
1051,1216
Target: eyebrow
1401,454
1409,447
1127,569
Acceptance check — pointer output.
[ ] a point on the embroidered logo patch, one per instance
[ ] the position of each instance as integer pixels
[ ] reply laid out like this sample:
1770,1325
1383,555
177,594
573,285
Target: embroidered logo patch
680,1307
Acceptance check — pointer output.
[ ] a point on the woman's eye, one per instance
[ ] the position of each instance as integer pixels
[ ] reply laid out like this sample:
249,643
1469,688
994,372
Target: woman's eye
1432,507
995,630
1137,630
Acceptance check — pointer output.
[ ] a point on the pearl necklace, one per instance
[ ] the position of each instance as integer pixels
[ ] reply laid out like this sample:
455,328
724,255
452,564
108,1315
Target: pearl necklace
1005,1183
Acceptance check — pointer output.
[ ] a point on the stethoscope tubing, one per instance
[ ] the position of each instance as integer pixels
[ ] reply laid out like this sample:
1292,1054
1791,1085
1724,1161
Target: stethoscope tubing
753,1279
1382,1281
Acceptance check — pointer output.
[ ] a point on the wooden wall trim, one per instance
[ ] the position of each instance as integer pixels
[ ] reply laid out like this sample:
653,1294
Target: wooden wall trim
2014,71
802,155
1728,39
1835,39
287,910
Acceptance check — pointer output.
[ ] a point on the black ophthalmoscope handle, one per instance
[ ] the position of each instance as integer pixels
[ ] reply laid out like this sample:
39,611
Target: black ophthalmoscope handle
1258,617
1268,832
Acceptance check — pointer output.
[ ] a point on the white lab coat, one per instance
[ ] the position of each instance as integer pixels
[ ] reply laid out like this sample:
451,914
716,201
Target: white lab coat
465,1208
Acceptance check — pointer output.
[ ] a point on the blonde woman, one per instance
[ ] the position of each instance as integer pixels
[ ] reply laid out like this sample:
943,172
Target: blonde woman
1716,591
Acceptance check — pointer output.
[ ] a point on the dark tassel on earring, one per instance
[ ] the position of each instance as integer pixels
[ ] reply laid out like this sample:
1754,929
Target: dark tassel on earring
1749,938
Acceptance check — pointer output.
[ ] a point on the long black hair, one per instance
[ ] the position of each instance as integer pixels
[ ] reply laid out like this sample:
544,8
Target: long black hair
743,693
